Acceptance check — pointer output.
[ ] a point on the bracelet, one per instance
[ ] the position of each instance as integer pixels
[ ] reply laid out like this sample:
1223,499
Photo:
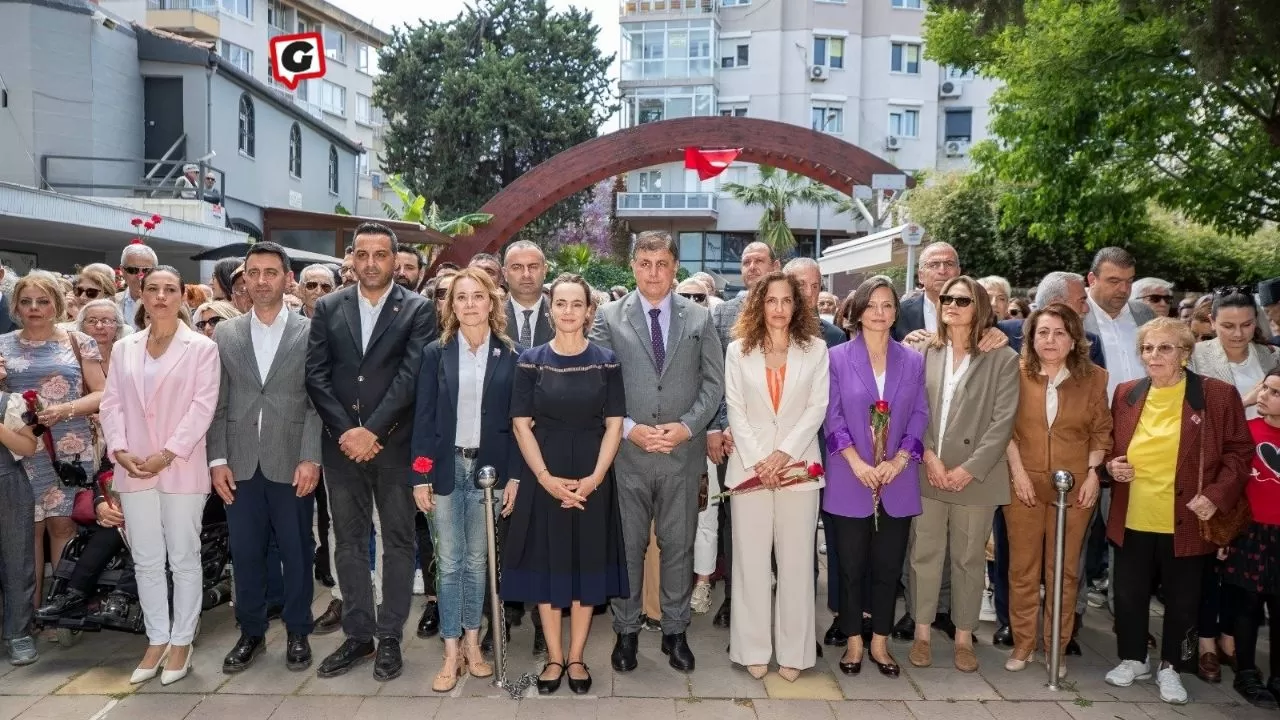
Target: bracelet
543,470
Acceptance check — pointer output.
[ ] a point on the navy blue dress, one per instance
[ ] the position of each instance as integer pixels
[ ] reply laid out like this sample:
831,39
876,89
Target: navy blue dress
553,554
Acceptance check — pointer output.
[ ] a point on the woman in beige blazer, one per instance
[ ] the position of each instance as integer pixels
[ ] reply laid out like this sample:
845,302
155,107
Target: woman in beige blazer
973,398
776,386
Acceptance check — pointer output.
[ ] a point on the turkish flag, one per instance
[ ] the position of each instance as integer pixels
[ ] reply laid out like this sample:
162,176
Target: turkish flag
709,163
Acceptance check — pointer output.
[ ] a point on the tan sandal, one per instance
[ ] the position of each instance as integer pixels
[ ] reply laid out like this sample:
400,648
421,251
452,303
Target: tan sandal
477,668
758,671
789,674
446,681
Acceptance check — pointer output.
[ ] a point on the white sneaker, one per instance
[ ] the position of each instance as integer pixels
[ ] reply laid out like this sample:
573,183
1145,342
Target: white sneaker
419,587
1171,689
822,548
988,613
701,600
1127,671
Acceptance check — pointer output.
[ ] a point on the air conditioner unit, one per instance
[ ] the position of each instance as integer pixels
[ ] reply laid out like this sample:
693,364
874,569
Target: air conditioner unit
818,72
893,142
957,148
950,89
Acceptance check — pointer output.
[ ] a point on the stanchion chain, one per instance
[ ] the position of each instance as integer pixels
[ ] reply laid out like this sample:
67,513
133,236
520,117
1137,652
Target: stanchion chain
516,688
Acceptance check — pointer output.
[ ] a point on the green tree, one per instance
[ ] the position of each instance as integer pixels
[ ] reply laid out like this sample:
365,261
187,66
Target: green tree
475,102
776,192
1108,104
416,209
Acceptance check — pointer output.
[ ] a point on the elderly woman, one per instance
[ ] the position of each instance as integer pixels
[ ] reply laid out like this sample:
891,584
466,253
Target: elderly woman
1000,292
1156,293
64,368
102,321
210,314
973,397
95,282
1181,454
1063,423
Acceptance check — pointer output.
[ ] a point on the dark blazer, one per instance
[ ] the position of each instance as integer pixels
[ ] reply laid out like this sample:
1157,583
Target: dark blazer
831,334
542,329
351,388
435,415
1213,423
910,316
1012,329
6,322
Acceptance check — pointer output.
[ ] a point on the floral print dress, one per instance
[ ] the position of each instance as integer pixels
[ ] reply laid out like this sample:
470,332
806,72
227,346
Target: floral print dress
51,369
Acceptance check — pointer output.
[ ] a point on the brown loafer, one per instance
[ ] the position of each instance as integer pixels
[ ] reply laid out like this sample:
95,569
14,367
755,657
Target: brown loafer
1210,669
966,660
921,654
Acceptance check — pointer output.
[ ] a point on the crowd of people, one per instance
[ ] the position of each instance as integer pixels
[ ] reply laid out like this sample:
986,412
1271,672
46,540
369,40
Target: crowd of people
666,439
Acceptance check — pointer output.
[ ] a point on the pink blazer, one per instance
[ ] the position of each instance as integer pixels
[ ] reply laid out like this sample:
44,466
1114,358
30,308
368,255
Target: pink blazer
177,418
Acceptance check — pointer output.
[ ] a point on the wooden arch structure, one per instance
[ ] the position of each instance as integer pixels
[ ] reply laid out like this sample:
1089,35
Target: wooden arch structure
819,156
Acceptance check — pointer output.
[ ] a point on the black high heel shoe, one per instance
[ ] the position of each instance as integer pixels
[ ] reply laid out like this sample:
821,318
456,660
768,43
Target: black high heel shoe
546,687
579,687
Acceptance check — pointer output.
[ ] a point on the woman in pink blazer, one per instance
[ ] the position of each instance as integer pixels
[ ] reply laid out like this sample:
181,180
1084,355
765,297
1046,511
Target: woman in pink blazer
161,391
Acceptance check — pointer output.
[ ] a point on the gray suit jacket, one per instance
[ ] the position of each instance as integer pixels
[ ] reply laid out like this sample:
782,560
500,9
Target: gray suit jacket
723,316
688,389
1210,360
290,431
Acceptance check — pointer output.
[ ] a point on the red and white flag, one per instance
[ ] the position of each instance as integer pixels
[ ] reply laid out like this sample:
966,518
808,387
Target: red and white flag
709,163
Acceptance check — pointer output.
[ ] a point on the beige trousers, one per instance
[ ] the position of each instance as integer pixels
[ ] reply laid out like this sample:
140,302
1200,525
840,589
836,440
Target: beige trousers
963,530
765,523
652,579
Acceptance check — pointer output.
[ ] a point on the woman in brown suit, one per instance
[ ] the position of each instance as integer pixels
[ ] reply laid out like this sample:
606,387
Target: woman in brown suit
1063,423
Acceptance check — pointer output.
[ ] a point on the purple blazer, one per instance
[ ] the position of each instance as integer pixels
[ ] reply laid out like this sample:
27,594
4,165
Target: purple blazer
853,392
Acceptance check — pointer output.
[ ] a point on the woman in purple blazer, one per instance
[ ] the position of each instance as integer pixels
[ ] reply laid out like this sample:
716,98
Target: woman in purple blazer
869,539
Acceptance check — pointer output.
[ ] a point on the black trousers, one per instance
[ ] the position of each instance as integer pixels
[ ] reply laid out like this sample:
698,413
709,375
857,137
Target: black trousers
1218,602
1142,559
426,552
863,551
353,490
103,545
323,523
1248,611
262,510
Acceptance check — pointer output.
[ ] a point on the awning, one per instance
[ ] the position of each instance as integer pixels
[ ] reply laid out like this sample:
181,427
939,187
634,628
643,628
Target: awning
298,259
277,218
871,252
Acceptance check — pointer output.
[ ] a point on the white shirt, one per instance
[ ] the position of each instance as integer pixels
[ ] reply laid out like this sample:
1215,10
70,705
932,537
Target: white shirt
266,341
471,369
369,313
1246,376
150,373
880,384
950,381
531,319
1051,395
1119,336
930,315
130,309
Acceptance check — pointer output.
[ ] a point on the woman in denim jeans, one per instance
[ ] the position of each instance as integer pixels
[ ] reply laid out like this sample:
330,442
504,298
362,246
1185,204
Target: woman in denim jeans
17,533
460,425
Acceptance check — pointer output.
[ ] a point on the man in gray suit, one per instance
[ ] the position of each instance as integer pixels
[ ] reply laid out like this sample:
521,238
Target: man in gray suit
673,373
264,445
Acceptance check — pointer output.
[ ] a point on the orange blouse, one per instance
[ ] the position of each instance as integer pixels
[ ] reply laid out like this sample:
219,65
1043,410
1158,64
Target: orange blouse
775,377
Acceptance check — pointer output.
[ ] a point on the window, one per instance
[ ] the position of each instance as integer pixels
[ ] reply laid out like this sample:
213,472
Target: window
734,54
828,51
905,58
646,105
904,123
238,56
335,44
958,125
362,164
731,3
295,151
333,98
649,181
908,4
827,118
364,109
366,59
277,16
239,8
733,111
333,170
673,49
305,24
246,124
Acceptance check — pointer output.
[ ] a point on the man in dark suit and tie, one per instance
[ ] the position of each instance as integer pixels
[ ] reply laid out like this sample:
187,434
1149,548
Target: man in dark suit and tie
525,269
363,358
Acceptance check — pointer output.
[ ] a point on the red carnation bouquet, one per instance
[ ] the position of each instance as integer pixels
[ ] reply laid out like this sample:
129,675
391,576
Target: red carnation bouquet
879,441
793,474
147,225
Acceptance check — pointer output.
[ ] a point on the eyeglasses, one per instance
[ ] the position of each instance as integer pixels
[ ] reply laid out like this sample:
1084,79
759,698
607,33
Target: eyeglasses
442,293
91,293
101,322
960,301
211,323
1161,350
936,265
696,297
313,284
1015,312
29,417
1226,290
134,269
1166,299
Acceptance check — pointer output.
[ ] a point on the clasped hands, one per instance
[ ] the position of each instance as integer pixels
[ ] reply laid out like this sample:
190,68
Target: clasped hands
359,444
659,438
140,468
1122,471
570,493
769,470
877,476
953,480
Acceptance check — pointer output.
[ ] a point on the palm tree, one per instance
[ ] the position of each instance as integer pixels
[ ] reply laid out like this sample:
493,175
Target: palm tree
414,208
776,192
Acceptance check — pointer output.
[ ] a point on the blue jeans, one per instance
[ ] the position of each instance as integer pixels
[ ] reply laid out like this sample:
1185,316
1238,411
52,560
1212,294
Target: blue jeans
462,552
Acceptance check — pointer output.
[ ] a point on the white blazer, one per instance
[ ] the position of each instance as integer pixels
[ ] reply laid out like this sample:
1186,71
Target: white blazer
793,429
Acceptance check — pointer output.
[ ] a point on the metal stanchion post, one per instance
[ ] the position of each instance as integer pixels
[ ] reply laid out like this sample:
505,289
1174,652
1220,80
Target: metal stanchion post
486,478
1062,482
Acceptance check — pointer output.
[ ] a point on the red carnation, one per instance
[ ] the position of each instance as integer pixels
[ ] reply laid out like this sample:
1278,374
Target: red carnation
136,241
135,222
30,396
815,470
155,219
422,465
149,225
882,406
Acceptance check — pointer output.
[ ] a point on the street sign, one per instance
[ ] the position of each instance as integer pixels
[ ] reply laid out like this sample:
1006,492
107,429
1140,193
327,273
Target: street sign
895,181
912,235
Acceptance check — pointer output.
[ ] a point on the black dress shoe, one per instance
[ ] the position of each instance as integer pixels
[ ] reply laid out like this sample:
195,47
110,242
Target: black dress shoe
546,687
834,637
905,629
323,571
63,604
348,655
429,623
1003,636
515,613
297,654
539,640
274,612
942,621
1073,647
247,648
388,665
721,620
330,620
676,648
325,577
583,686
624,652
1249,684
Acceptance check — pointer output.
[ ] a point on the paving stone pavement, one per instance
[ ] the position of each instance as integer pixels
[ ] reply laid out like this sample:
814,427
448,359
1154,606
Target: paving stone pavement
89,681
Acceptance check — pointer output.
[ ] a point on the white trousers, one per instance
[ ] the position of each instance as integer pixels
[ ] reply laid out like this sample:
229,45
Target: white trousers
705,541
163,526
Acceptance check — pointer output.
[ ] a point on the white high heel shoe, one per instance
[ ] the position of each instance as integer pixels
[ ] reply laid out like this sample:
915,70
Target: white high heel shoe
168,677
141,674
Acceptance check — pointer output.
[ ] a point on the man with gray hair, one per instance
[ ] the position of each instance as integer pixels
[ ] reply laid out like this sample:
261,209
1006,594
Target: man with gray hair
314,282
1156,293
135,260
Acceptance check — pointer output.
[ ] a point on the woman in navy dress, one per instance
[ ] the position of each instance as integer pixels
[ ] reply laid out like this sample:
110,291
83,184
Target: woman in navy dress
564,546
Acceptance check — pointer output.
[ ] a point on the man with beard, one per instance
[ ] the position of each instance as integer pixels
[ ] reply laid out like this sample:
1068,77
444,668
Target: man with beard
409,264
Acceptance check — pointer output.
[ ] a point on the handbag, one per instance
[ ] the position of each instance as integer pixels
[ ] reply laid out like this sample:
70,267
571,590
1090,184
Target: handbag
1226,523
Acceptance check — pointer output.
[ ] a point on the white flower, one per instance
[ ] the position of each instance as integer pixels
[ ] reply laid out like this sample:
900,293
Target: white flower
497,352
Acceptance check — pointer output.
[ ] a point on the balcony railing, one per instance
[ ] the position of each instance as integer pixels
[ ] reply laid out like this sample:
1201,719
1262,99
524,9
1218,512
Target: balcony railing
698,201
683,7
209,7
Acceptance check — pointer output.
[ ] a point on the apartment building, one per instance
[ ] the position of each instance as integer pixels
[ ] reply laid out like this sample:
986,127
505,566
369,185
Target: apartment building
240,31
852,68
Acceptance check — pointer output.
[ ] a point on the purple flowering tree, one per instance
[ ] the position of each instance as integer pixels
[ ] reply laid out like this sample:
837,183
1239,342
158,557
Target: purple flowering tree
594,227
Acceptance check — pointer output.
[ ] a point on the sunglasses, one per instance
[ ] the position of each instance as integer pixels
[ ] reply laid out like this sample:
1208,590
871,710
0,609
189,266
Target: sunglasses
134,270
37,428
959,301
696,297
313,284
1233,290
442,293
91,293
210,323
1166,299
1015,312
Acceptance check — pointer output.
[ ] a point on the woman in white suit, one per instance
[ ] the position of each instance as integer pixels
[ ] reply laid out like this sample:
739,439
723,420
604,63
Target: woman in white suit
776,386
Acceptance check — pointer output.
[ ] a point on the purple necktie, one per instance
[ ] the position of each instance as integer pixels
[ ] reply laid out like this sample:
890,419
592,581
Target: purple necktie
655,331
